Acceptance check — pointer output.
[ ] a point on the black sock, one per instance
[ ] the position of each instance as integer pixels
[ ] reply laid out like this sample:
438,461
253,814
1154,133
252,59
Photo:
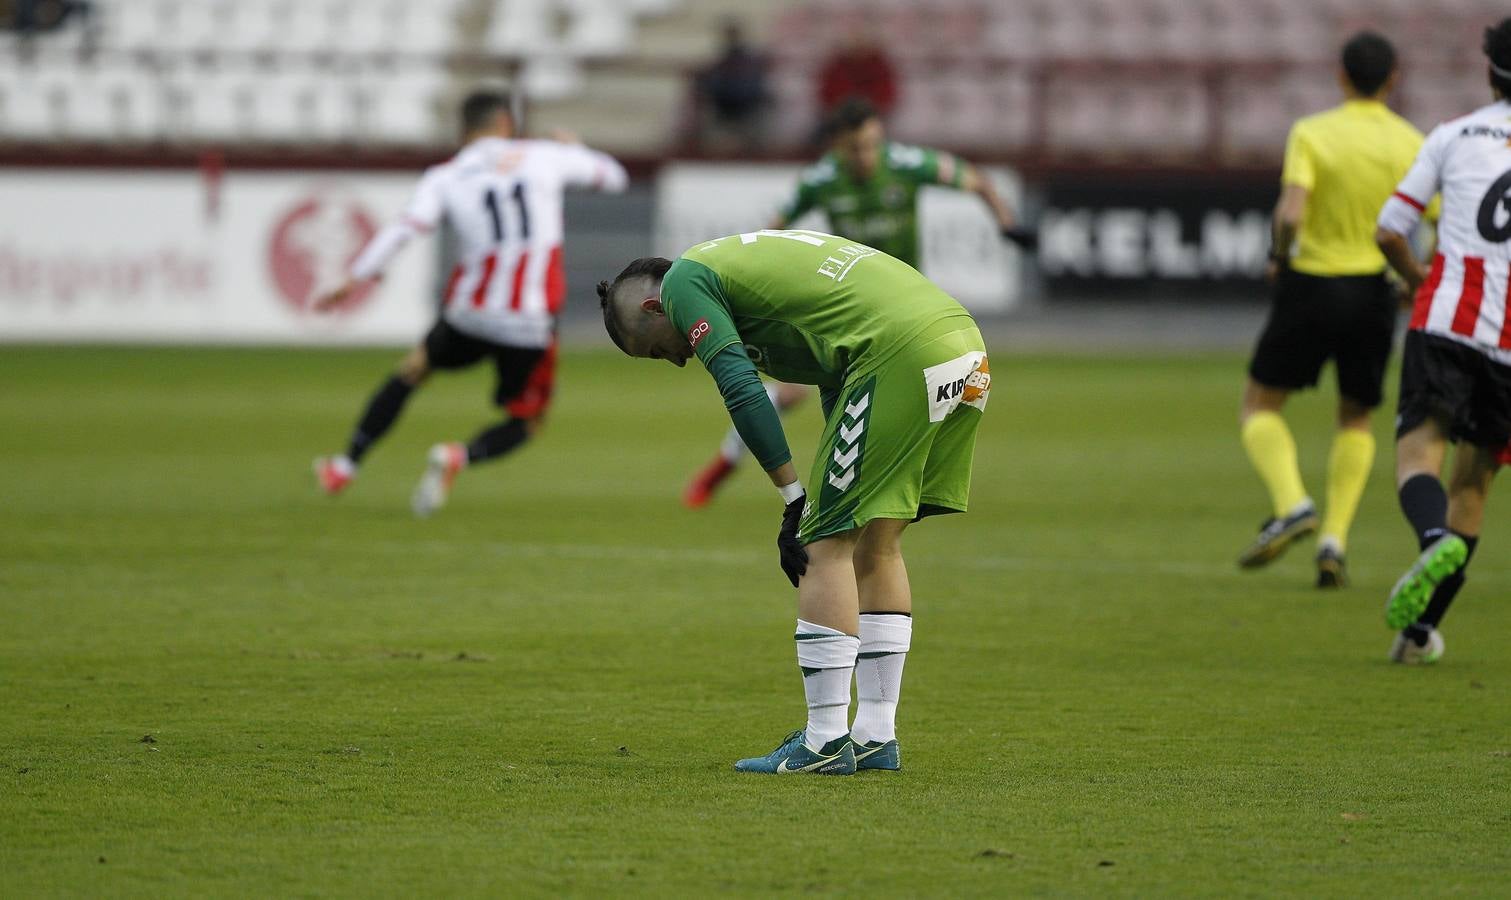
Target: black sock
1447,589
382,410
497,441
1425,504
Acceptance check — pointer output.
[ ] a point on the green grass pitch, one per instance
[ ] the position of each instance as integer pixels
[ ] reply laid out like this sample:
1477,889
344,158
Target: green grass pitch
540,691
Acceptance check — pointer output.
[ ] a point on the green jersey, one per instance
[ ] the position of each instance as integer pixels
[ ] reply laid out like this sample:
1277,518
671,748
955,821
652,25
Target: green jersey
802,307
881,211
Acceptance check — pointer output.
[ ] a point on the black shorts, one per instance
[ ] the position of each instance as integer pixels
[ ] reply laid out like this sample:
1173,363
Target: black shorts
1464,390
448,348
1350,319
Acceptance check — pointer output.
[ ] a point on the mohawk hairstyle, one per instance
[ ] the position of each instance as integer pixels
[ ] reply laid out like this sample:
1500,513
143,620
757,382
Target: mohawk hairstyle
1497,49
653,266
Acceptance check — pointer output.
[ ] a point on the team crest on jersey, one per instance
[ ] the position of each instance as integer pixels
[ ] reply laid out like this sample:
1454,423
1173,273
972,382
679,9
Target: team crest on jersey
698,332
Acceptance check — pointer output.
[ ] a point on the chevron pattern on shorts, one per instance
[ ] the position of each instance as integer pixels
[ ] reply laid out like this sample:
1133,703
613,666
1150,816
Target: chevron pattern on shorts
845,459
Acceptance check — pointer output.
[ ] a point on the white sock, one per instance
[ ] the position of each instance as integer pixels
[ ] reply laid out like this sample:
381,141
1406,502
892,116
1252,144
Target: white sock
884,642
827,659
344,465
732,448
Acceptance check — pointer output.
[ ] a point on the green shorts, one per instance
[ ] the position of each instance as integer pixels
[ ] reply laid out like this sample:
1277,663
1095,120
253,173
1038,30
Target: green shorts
900,439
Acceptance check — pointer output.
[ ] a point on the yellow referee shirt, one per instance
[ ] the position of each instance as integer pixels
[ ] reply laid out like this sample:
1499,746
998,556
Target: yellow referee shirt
1350,158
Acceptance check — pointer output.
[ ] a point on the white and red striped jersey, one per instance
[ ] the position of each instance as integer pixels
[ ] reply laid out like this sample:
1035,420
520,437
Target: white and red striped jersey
502,199
1468,161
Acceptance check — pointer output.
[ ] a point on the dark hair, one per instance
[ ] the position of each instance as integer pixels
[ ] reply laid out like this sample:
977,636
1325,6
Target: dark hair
1368,59
653,266
851,113
480,107
1497,49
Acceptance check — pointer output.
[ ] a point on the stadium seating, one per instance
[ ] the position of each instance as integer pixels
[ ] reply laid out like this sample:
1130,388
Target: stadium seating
1181,79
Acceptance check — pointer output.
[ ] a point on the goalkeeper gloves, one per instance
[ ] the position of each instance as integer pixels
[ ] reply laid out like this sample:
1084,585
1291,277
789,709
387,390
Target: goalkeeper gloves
794,555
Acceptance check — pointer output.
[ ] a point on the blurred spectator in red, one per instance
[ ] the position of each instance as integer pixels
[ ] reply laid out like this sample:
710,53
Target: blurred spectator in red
732,96
859,68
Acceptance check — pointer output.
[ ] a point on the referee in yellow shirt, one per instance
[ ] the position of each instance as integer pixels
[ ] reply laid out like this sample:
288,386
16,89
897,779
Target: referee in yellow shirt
1331,301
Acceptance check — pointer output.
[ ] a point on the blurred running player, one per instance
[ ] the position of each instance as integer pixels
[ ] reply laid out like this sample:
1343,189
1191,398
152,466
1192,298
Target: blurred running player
868,187
1456,368
1331,301
502,198
903,379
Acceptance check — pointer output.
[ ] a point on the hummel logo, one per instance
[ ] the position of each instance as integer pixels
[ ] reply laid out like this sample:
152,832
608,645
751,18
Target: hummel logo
841,484
845,460
853,410
848,434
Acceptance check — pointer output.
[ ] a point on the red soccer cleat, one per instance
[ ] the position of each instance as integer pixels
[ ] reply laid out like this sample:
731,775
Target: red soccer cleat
701,489
334,473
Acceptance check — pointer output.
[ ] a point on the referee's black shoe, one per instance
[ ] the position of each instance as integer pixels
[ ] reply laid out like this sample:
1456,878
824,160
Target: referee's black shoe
1276,534
1332,571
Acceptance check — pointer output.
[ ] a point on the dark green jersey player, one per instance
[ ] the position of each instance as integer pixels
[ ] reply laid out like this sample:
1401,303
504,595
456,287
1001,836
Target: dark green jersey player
904,379
868,188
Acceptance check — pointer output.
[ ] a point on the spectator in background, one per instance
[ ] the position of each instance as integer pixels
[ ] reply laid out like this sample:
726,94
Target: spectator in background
732,96
858,68
30,16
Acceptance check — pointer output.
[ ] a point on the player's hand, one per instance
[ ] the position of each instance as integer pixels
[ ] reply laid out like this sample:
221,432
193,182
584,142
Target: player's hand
1272,270
1027,238
794,555
334,297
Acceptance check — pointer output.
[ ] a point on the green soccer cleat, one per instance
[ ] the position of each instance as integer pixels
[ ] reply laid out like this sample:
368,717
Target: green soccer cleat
1276,534
1409,597
878,755
794,758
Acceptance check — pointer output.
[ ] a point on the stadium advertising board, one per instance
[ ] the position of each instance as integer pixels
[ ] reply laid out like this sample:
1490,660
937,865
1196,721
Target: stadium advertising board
962,250
1154,237
171,257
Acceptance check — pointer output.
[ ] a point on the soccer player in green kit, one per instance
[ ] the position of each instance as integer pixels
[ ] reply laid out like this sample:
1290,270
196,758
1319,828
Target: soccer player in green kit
868,187
903,377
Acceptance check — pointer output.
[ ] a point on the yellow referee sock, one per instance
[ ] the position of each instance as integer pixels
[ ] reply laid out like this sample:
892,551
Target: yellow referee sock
1348,465
1272,450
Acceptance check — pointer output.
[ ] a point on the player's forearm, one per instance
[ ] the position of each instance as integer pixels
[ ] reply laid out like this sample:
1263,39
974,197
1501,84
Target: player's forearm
983,188
381,250
1398,253
754,417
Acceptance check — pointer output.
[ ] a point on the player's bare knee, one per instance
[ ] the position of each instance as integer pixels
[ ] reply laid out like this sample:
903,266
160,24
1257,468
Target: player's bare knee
414,368
1261,398
1353,414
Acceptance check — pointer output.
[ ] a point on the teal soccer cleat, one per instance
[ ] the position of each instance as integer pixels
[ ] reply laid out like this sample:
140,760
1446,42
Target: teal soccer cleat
878,755
794,758
1409,598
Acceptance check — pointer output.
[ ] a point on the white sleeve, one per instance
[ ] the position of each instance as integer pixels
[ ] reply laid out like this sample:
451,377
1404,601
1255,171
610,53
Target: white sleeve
421,215
1404,209
381,250
581,166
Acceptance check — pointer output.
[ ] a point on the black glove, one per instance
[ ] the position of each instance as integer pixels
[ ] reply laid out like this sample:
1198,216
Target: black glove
794,554
1027,238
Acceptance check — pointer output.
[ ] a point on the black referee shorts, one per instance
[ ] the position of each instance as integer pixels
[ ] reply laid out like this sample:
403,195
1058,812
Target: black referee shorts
1465,391
448,348
1349,319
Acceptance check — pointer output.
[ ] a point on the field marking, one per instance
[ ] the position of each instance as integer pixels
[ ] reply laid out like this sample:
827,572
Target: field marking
628,553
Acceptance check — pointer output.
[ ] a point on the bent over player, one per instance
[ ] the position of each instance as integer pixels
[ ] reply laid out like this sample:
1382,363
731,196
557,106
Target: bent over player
903,379
502,198
1331,301
1456,368
868,188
